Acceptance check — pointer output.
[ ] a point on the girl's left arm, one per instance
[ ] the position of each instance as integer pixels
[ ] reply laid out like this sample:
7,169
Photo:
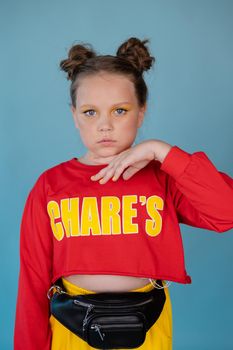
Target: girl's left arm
32,327
202,195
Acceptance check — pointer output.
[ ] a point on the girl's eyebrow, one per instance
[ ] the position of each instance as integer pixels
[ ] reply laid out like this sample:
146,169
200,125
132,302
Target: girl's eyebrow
116,104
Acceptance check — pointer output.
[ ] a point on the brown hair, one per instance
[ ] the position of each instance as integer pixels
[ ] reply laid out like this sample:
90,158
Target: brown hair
132,59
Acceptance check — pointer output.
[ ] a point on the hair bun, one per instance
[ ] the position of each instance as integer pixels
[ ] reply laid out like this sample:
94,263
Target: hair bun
137,53
77,55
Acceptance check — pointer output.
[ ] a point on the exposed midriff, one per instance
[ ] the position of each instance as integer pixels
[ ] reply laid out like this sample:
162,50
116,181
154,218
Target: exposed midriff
107,283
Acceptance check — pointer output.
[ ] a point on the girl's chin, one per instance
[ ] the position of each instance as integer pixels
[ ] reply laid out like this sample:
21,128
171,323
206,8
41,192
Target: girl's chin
104,157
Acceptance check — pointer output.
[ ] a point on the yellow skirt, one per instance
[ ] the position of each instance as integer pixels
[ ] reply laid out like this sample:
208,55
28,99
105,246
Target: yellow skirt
158,337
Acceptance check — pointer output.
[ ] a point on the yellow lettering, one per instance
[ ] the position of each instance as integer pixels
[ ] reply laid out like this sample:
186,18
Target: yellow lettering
70,216
54,213
154,226
90,217
110,218
128,214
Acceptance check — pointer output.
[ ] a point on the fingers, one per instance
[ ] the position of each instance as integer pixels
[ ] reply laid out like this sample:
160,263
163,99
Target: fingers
118,171
106,177
104,174
132,160
117,166
113,171
129,172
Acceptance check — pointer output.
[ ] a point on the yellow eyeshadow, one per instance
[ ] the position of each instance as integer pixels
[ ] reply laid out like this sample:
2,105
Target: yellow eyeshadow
123,107
85,109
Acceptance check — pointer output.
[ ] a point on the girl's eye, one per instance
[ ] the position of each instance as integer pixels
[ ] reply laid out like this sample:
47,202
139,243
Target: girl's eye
89,110
121,109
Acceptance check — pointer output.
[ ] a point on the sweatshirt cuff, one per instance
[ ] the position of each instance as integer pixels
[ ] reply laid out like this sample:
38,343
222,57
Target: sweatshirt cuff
175,161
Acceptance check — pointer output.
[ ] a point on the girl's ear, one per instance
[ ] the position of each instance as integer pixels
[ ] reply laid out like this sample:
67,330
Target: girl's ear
141,114
74,114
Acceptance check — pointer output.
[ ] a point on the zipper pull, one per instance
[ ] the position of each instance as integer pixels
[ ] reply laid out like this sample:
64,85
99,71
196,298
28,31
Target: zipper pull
96,327
78,302
89,308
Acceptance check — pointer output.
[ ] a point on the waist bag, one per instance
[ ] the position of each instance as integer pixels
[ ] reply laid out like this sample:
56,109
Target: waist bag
108,320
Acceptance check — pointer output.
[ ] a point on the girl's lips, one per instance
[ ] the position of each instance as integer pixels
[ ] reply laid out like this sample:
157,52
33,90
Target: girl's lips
103,141
107,143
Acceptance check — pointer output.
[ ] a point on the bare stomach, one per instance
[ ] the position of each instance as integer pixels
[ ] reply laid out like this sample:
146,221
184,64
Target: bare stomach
107,283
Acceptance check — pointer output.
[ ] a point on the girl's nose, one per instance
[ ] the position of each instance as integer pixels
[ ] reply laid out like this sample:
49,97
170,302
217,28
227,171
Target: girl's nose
105,123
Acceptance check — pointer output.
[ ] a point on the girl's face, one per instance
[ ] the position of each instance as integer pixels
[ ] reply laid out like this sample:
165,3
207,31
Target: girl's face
106,108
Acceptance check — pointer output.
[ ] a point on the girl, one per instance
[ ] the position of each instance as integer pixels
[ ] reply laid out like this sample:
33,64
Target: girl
108,221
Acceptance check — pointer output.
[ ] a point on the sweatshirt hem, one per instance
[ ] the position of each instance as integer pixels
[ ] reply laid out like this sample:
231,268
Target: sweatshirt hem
185,280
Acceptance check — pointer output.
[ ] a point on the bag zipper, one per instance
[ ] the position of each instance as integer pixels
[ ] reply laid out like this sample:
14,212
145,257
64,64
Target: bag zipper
89,308
97,327
83,303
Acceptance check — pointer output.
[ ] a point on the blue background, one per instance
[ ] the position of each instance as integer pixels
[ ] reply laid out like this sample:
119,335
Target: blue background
190,105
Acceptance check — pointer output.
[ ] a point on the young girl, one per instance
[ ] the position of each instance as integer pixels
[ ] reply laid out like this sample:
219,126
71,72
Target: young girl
108,221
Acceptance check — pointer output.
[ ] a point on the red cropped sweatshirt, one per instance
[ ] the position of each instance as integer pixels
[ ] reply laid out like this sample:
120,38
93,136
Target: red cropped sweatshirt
73,225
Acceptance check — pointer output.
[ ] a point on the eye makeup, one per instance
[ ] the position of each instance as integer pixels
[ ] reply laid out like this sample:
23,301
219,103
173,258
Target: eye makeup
115,106
125,108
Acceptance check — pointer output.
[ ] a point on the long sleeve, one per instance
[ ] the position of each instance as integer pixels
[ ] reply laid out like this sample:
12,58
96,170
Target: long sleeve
32,329
202,195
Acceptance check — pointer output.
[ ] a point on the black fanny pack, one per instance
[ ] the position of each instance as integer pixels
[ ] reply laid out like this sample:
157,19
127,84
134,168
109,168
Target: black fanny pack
108,320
